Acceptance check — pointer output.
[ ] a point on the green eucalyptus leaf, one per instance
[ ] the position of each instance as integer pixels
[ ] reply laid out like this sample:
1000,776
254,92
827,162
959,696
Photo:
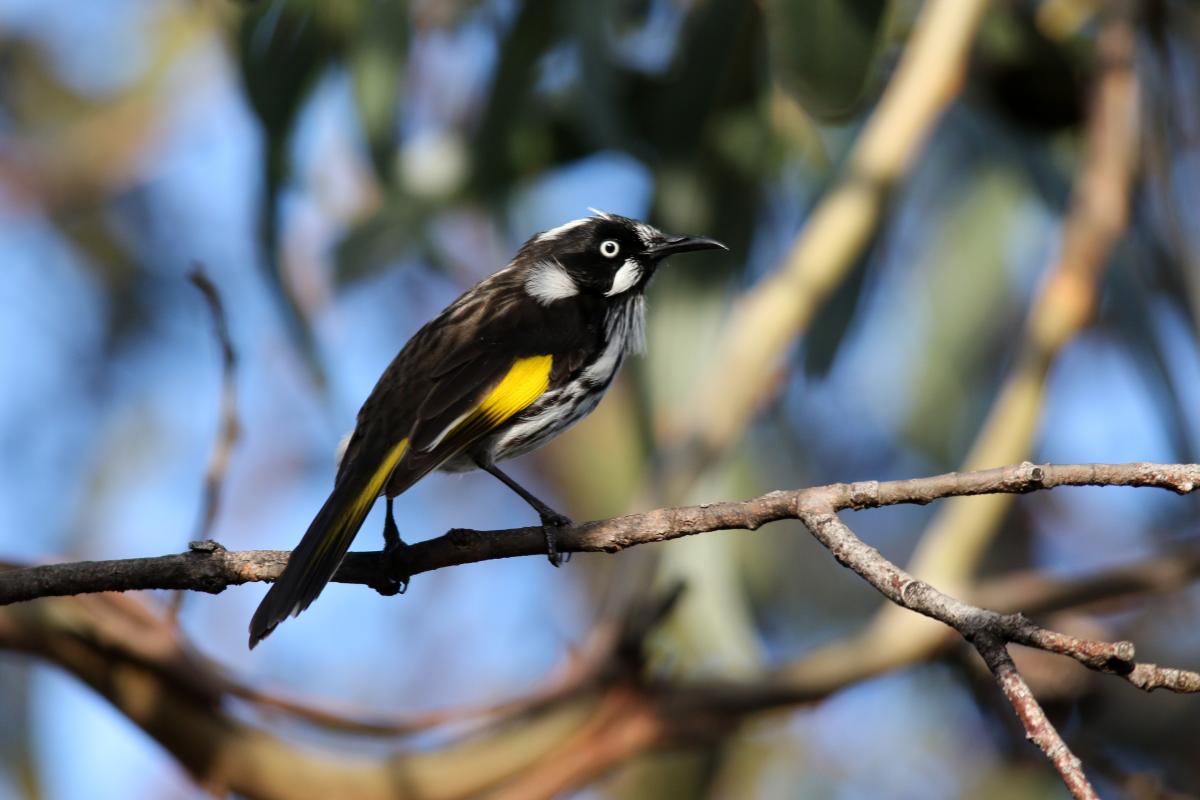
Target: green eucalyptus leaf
283,49
829,52
377,242
377,61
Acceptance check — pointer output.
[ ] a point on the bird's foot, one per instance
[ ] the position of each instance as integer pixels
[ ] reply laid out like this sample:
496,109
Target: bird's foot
396,576
551,522
395,569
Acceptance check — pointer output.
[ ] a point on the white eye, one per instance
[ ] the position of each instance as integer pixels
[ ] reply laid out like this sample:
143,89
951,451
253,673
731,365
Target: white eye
609,248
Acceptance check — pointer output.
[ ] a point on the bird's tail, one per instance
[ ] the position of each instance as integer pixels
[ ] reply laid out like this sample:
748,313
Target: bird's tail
325,543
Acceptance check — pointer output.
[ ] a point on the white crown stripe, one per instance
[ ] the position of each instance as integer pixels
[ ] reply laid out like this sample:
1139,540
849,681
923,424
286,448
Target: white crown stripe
566,227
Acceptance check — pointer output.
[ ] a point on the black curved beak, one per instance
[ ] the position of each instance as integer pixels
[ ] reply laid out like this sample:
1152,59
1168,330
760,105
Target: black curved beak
683,244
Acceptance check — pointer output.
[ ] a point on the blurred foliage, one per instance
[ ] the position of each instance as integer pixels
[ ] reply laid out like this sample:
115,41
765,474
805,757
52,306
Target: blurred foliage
834,76
739,114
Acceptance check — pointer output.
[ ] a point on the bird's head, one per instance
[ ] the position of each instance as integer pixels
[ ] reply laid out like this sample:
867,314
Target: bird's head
603,255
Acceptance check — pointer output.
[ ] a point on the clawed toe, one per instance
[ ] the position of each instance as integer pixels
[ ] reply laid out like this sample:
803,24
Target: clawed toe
396,575
550,525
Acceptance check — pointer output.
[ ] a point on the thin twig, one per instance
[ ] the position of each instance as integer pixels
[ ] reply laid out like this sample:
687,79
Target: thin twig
971,621
228,429
1034,720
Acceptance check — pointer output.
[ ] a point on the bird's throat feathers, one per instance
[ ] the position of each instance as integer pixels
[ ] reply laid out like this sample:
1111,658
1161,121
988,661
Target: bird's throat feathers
627,322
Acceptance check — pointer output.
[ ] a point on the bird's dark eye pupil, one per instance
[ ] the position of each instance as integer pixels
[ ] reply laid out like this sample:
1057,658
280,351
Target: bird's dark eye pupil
609,248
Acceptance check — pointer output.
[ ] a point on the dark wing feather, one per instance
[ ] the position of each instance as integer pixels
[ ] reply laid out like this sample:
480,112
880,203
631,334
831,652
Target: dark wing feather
324,545
448,372
457,361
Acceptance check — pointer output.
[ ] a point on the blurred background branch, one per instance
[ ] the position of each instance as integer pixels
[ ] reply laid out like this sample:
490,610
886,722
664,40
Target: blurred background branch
766,321
228,430
743,370
958,536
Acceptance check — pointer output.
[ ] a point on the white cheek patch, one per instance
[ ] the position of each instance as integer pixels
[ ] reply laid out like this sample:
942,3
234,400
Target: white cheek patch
626,278
548,281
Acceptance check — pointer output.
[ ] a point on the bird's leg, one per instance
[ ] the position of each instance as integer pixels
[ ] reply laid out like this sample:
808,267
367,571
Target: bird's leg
551,519
391,533
393,552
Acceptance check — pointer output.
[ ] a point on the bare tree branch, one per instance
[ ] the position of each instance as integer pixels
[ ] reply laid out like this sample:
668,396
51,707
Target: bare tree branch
209,567
972,621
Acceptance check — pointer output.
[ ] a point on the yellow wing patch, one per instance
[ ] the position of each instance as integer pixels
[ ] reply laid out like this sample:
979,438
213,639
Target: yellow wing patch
363,502
524,383
352,515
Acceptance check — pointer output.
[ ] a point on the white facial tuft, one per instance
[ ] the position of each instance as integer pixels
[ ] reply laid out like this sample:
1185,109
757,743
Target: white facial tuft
561,230
648,234
626,278
548,281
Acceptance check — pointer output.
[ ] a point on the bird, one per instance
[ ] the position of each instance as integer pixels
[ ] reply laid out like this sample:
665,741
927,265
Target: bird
513,362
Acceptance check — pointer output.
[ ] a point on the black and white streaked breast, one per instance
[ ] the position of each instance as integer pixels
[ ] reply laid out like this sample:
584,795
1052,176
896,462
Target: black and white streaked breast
560,408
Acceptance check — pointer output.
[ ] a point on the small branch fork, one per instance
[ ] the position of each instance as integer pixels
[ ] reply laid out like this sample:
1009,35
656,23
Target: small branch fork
1037,726
209,567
